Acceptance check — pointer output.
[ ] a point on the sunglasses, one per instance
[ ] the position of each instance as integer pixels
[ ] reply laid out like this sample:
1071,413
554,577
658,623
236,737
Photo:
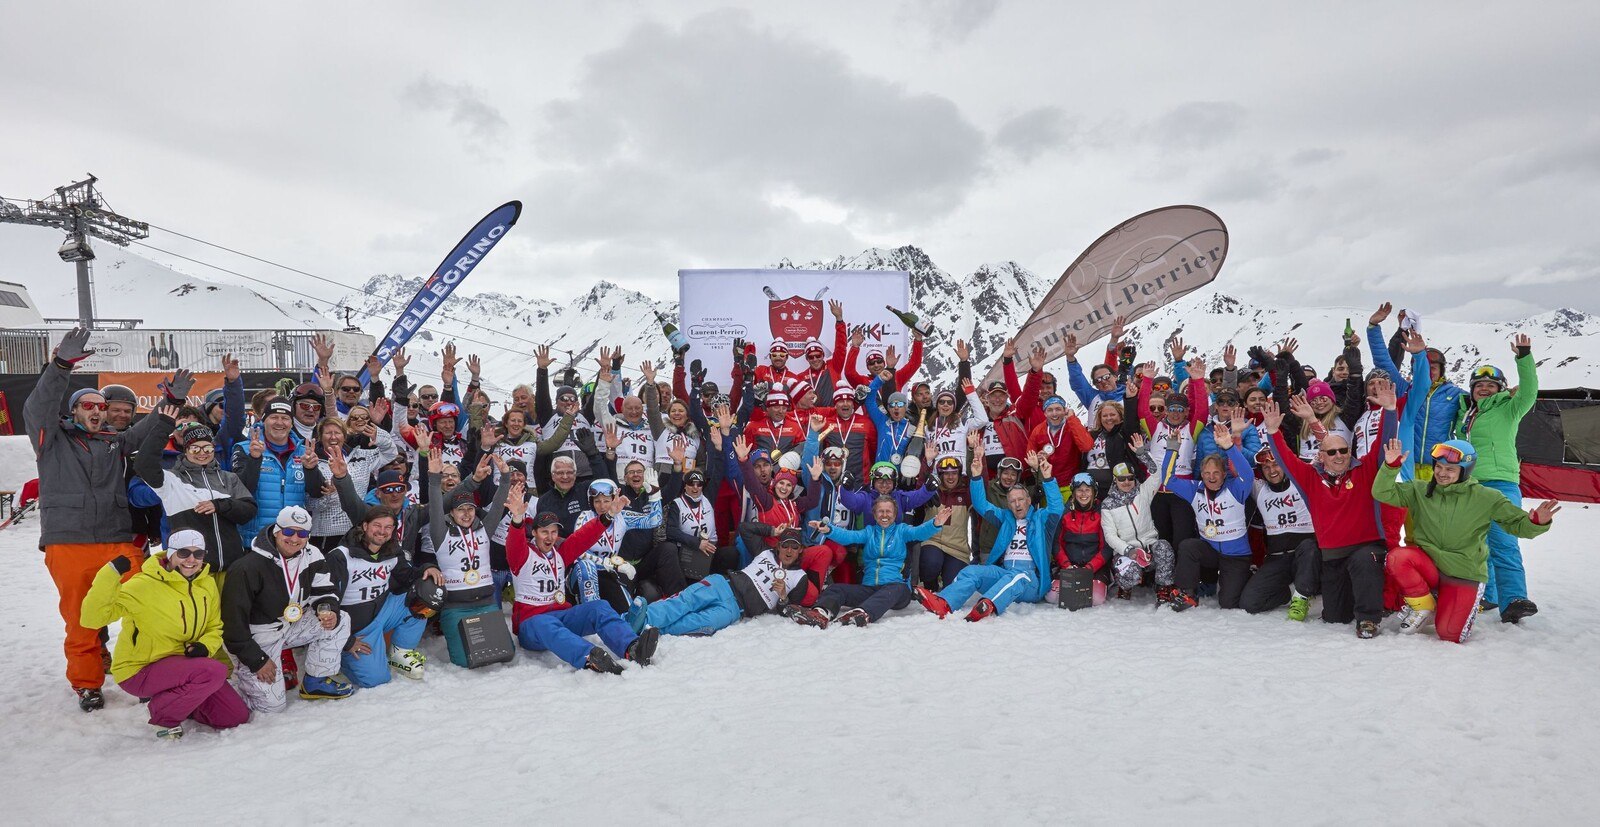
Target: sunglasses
94,406
201,449
350,389
415,407
179,553
1124,479
428,397
359,420
295,532
392,488
1335,452
1448,453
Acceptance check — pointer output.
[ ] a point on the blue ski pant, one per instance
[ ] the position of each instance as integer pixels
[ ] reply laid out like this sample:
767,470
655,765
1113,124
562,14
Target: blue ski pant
372,669
1507,582
562,632
704,608
936,567
1001,585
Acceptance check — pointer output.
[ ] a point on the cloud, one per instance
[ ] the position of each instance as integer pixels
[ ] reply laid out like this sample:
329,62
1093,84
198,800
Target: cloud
764,111
1313,156
1489,310
1197,124
1568,266
465,104
1254,182
949,20
1036,132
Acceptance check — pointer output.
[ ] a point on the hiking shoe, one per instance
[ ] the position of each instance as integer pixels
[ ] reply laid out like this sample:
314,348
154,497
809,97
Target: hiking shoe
331,688
643,648
1299,607
853,617
984,609
1181,600
90,699
599,660
932,602
1518,609
810,616
407,662
171,733
1367,629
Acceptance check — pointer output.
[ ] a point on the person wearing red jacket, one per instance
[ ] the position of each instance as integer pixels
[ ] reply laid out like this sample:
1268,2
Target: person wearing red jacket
1082,545
1343,512
778,429
1062,439
543,618
877,361
1010,407
851,429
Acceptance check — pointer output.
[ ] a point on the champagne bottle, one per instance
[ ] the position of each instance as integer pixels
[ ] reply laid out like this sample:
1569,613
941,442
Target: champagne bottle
172,354
150,359
679,342
910,320
911,463
163,358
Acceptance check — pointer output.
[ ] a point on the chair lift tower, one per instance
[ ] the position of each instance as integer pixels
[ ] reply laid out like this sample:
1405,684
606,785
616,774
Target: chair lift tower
78,210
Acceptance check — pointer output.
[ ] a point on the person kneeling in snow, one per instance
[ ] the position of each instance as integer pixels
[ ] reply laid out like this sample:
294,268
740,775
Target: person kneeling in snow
601,573
1082,546
461,548
884,582
265,598
1450,517
1019,563
1131,532
163,653
1218,500
541,616
772,581
373,579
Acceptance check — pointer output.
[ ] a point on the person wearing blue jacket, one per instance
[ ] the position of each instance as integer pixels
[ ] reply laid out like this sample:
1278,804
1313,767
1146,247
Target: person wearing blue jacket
1226,410
1218,499
1019,563
894,426
276,474
1103,383
1434,409
885,583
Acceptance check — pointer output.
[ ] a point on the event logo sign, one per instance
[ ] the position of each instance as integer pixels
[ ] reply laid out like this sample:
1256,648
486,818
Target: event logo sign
794,321
1140,265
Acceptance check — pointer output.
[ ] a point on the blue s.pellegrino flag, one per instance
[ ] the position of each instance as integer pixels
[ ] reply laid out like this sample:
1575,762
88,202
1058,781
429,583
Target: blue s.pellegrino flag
451,272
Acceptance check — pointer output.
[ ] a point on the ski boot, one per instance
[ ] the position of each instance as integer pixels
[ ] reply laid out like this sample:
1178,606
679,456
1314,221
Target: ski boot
90,699
1518,609
1163,595
1181,600
811,616
331,688
853,617
1366,629
599,660
643,648
984,609
932,602
407,662
171,733
1299,607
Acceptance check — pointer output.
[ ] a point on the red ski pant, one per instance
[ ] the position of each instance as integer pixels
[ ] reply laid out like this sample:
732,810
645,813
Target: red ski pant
72,566
1413,572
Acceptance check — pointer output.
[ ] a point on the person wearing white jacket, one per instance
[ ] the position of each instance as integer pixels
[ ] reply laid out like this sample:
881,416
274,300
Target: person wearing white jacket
1131,533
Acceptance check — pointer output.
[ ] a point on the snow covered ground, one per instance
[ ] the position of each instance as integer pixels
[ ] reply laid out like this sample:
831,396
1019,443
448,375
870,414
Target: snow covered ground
1118,714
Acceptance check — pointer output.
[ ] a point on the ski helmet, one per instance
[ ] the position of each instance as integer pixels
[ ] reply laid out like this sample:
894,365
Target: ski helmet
602,488
947,464
306,392
1488,373
1080,479
119,393
884,471
425,598
439,410
1457,452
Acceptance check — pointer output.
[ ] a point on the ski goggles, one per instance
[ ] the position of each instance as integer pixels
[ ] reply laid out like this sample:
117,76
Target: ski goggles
294,532
1010,462
1448,453
1488,373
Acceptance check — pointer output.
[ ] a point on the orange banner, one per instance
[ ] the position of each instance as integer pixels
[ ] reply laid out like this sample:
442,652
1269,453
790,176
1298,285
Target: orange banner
144,385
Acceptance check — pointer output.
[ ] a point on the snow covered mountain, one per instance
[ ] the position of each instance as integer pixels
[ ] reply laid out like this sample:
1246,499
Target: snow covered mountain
984,307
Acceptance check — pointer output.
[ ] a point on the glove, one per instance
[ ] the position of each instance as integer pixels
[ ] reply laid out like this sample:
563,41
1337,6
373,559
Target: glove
177,388
122,564
697,373
72,349
196,650
1524,351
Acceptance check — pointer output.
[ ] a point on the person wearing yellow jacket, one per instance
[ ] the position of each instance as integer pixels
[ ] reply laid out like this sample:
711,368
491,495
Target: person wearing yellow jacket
171,624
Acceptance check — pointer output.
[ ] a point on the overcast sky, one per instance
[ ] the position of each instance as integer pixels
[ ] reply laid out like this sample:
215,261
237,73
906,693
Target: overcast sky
1443,155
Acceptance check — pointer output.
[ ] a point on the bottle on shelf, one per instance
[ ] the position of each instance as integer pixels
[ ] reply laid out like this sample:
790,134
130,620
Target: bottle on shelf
152,360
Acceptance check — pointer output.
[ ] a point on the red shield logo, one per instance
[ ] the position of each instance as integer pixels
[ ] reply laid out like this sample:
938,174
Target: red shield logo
794,320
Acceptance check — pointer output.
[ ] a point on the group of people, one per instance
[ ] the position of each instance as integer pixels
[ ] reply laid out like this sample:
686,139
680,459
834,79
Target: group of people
348,521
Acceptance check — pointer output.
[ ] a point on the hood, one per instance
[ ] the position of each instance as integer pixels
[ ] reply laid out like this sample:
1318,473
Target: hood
263,544
354,542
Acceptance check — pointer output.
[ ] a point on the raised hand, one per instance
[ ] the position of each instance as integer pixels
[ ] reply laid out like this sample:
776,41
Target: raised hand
1148,369
821,526
499,463
1546,511
836,307
1288,346
857,337
1229,355
308,460
1301,408
815,468
963,353
741,447
73,347
474,367
448,356
1118,326
337,465
1009,349
168,410
1271,417
1393,452
230,367
604,359
481,473
1413,341
374,366
890,358
975,470
1197,368
1036,357
678,450
648,369
379,410
400,360
974,437
1069,345
816,423
1382,394
1223,435
257,445
177,388
542,357
1380,314
323,346
613,437
1176,347
942,517
1519,343
517,502
1045,470
435,462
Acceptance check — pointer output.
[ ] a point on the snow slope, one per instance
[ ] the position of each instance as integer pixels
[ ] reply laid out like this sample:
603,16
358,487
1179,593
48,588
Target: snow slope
1118,714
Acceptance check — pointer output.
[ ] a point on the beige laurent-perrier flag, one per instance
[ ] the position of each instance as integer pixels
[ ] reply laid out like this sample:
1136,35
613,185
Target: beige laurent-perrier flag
1138,266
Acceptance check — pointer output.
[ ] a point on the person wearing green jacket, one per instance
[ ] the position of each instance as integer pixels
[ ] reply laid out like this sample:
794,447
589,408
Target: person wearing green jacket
1490,415
1450,517
171,613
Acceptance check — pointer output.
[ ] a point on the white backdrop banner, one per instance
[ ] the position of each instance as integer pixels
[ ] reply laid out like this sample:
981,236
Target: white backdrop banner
165,350
762,306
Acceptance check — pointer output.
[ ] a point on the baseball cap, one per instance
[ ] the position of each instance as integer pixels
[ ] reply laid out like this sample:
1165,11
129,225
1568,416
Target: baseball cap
545,518
293,516
760,455
790,542
390,477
